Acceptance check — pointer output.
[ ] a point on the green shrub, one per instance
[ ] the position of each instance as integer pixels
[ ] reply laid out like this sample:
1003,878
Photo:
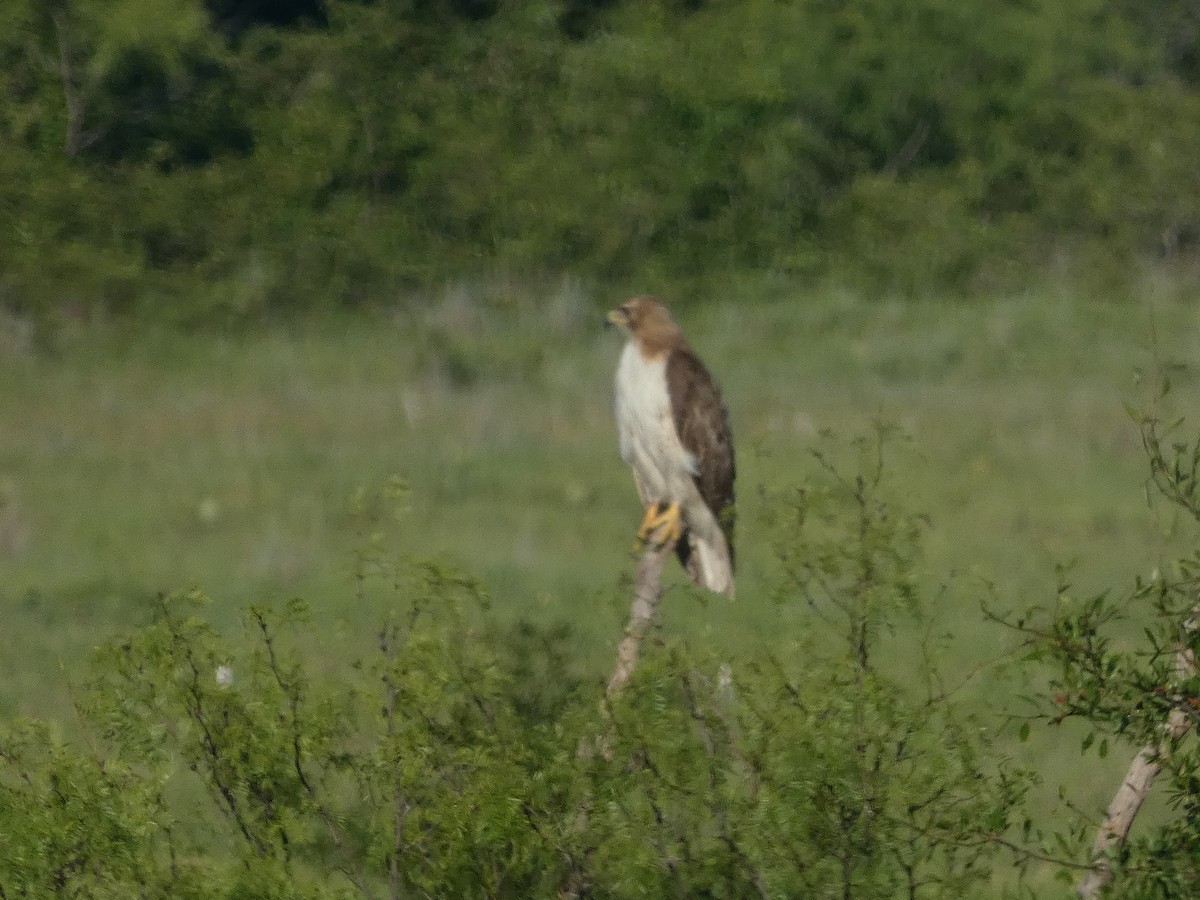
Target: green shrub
216,766
1123,664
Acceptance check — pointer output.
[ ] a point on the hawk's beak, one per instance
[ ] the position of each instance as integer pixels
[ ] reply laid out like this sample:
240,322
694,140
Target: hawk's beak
614,317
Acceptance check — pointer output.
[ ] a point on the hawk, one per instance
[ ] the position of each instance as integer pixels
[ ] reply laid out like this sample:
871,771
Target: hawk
673,431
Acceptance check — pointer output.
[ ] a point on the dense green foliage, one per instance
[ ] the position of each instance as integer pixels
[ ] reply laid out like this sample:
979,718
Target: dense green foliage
215,159
450,760
441,765
457,756
1141,691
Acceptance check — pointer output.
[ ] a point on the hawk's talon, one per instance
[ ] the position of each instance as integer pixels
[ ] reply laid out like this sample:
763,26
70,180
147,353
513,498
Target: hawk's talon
648,524
646,529
661,527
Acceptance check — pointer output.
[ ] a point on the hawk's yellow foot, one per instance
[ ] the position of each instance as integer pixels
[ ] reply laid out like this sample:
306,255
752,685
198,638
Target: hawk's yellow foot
647,527
661,526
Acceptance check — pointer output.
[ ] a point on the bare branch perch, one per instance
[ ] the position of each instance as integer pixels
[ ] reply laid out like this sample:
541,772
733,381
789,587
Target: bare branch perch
647,596
1134,789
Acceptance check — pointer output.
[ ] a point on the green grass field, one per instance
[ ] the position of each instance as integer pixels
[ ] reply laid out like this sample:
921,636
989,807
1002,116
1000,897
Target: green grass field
135,462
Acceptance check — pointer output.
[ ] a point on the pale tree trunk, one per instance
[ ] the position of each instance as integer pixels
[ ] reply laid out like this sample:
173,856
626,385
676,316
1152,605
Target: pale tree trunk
74,141
1134,789
647,595
78,86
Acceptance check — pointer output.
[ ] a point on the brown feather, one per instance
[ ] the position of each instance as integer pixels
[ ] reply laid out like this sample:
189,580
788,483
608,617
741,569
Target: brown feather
702,423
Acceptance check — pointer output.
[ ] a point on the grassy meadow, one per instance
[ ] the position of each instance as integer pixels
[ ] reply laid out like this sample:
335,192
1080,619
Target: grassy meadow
135,461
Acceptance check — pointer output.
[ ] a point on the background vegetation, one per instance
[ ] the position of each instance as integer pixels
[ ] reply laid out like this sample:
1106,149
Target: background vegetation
299,299
212,160
257,465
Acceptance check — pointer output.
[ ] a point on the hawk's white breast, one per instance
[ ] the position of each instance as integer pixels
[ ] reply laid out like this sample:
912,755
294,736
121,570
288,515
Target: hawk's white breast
646,427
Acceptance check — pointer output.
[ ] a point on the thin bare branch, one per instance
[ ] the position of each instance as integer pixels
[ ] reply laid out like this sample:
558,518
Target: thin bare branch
1135,787
647,595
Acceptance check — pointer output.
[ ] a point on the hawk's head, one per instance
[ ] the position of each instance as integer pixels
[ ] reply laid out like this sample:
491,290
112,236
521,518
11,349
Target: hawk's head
644,319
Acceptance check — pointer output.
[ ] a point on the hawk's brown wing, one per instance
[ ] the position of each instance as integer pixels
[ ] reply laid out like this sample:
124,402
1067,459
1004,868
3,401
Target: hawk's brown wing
702,423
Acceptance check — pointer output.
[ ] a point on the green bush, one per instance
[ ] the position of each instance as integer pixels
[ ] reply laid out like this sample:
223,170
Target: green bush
435,765
445,762
1124,665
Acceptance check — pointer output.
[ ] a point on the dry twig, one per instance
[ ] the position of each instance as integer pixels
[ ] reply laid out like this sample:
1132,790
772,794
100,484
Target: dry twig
647,595
1135,787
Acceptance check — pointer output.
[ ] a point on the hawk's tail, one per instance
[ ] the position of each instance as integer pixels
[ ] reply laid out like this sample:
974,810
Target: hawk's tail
708,562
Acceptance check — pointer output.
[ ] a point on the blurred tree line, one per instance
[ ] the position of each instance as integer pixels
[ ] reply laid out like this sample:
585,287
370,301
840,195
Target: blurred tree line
222,158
